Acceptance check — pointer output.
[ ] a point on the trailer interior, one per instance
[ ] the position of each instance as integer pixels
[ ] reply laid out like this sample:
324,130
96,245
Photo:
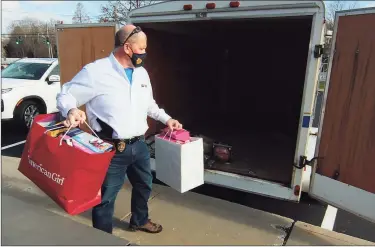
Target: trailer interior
239,82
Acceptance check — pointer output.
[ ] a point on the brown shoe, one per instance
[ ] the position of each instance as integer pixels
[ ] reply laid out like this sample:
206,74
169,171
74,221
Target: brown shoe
149,227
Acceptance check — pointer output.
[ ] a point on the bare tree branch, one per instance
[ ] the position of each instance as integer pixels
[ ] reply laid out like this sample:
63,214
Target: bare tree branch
333,7
80,15
118,11
31,33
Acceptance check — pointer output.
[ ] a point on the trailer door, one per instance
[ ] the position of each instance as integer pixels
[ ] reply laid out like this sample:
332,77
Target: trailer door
344,172
80,44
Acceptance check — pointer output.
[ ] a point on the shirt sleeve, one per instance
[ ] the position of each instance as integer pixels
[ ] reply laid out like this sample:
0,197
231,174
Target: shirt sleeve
155,112
75,93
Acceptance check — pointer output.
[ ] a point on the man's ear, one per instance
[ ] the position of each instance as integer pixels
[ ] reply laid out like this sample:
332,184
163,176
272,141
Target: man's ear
127,48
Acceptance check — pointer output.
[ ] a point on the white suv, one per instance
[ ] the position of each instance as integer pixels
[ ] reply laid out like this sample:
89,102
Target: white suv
29,87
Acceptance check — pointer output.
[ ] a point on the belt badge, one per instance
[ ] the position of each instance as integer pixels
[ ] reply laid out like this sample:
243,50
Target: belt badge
121,146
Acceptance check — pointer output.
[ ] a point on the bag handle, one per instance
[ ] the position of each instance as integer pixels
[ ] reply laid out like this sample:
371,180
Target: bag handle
167,134
58,127
71,128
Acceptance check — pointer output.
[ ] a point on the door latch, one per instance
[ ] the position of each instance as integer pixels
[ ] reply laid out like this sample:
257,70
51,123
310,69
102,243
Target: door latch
318,51
303,162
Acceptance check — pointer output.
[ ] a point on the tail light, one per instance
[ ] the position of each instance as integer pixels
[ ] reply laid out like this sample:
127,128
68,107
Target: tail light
188,7
210,5
235,4
222,152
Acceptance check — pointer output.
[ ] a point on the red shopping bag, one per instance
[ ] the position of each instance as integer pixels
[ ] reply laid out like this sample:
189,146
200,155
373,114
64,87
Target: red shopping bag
70,176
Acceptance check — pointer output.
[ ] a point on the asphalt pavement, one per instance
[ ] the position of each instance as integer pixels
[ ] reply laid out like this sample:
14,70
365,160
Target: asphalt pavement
308,210
50,226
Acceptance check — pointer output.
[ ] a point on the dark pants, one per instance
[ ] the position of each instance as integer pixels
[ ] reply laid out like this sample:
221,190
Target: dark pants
134,162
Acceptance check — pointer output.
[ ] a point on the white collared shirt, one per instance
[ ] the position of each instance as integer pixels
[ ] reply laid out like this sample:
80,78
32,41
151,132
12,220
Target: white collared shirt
105,89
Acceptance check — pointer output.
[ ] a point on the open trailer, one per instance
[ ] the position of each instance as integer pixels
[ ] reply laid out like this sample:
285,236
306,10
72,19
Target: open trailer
242,73
245,73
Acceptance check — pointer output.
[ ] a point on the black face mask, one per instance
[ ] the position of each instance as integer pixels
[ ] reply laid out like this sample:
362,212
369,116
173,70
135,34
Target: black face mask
137,59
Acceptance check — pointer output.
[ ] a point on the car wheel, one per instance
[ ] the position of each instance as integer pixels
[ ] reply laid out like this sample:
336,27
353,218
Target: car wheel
26,112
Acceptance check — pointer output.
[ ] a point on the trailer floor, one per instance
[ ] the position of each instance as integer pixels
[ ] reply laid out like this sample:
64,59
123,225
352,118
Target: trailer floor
260,154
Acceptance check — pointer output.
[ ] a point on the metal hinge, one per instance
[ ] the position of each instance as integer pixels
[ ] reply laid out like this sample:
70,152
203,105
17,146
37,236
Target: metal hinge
318,51
303,162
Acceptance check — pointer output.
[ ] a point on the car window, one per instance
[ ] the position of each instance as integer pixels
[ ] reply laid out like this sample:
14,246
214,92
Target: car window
55,71
24,70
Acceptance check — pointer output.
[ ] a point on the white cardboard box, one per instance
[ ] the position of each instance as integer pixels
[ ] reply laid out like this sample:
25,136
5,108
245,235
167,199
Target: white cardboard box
179,165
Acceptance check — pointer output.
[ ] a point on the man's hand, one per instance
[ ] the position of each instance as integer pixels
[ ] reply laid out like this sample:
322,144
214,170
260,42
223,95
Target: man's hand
75,117
174,124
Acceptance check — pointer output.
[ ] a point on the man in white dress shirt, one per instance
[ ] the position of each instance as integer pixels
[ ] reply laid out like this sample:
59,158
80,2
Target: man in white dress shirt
118,96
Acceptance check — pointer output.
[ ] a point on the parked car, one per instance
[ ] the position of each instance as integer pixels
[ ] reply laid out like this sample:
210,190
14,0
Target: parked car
29,87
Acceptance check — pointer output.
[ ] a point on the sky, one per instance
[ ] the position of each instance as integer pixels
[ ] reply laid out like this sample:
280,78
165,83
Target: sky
45,10
64,10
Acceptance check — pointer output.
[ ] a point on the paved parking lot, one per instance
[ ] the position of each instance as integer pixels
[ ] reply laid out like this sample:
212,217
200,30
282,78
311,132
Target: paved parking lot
308,210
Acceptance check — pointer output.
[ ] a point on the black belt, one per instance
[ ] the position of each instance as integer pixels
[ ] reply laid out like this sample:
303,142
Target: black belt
120,144
128,141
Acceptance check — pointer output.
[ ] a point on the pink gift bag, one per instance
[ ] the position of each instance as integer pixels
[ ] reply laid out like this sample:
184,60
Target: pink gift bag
177,135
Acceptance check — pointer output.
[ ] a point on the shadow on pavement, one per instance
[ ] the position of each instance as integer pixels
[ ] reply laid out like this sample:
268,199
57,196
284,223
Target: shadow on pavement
292,210
12,134
307,210
295,211
15,152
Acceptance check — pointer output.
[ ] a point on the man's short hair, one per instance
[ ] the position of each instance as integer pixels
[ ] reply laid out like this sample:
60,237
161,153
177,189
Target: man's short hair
123,36
120,37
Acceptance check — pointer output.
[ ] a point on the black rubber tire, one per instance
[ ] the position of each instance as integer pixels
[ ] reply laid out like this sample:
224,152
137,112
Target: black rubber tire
21,112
